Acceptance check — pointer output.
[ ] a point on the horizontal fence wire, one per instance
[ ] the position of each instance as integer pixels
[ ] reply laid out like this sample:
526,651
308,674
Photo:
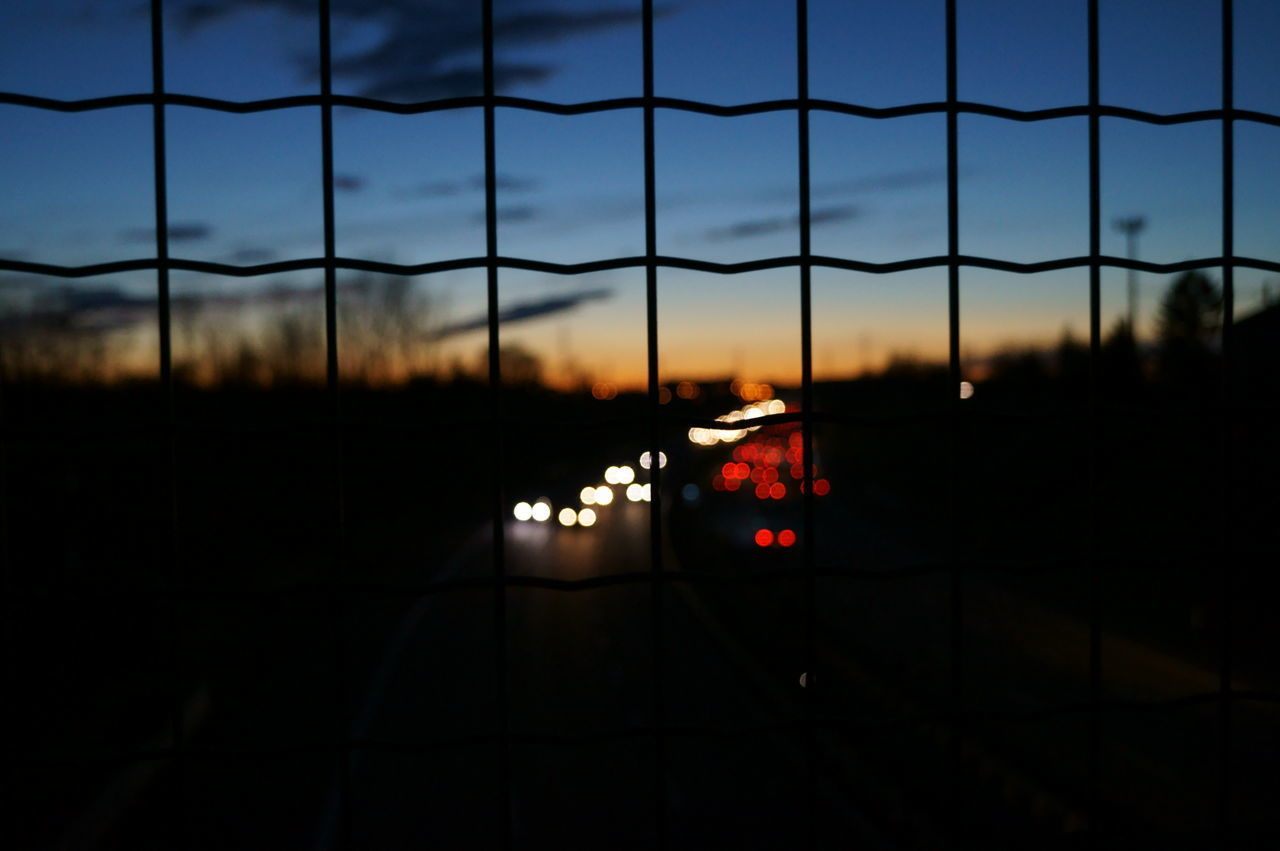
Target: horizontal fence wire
636,262
639,102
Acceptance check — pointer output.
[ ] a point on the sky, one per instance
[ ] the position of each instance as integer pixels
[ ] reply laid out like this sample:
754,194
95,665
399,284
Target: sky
77,188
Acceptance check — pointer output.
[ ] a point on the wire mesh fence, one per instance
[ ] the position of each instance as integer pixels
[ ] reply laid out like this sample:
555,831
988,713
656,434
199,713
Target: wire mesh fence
328,434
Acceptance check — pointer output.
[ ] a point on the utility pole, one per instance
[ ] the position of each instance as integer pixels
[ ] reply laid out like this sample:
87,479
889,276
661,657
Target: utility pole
1131,227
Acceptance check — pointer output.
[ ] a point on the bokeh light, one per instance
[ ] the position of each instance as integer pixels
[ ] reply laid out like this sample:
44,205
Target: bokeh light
786,538
523,511
646,459
764,537
541,511
587,496
567,517
586,517
604,495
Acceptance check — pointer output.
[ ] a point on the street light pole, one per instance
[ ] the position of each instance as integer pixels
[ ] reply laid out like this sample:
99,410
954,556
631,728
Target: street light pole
1131,227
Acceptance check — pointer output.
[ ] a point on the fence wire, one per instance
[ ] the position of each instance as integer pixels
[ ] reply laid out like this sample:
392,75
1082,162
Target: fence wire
961,714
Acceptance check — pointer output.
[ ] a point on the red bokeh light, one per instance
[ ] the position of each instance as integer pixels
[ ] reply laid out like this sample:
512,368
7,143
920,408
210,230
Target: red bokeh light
743,470
786,538
718,483
729,470
797,471
762,491
732,484
764,537
769,475
777,490
822,487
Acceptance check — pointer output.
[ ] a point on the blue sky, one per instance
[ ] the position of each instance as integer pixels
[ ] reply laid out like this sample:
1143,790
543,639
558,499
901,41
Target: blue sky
77,188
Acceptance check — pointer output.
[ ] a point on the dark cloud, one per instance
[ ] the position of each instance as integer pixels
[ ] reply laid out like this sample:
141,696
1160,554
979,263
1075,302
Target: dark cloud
30,304
775,224
505,182
525,310
71,308
178,232
892,181
348,182
475,183
431,48
826,215
249,256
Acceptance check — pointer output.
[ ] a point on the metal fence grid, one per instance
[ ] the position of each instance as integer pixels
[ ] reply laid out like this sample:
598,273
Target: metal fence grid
957,715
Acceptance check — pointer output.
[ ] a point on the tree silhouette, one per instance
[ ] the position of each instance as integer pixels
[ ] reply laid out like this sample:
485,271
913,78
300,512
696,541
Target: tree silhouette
1191,310
1188,322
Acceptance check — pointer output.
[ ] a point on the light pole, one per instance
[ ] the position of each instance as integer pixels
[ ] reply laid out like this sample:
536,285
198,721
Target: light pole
1131,227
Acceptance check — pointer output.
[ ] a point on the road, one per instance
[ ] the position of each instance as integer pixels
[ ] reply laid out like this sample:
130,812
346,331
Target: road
420,683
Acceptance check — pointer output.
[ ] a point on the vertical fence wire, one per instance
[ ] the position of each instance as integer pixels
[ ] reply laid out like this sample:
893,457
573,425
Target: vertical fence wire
655,429
342,736
953,372
1094,578
1226,563
806,404
167,417
495,391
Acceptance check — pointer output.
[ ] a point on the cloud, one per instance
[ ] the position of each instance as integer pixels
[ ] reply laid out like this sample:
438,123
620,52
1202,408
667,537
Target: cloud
511,215
178,232
505,182
29,303
525,310
251,255
475,183
348,182
431,48
775,224
891,181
